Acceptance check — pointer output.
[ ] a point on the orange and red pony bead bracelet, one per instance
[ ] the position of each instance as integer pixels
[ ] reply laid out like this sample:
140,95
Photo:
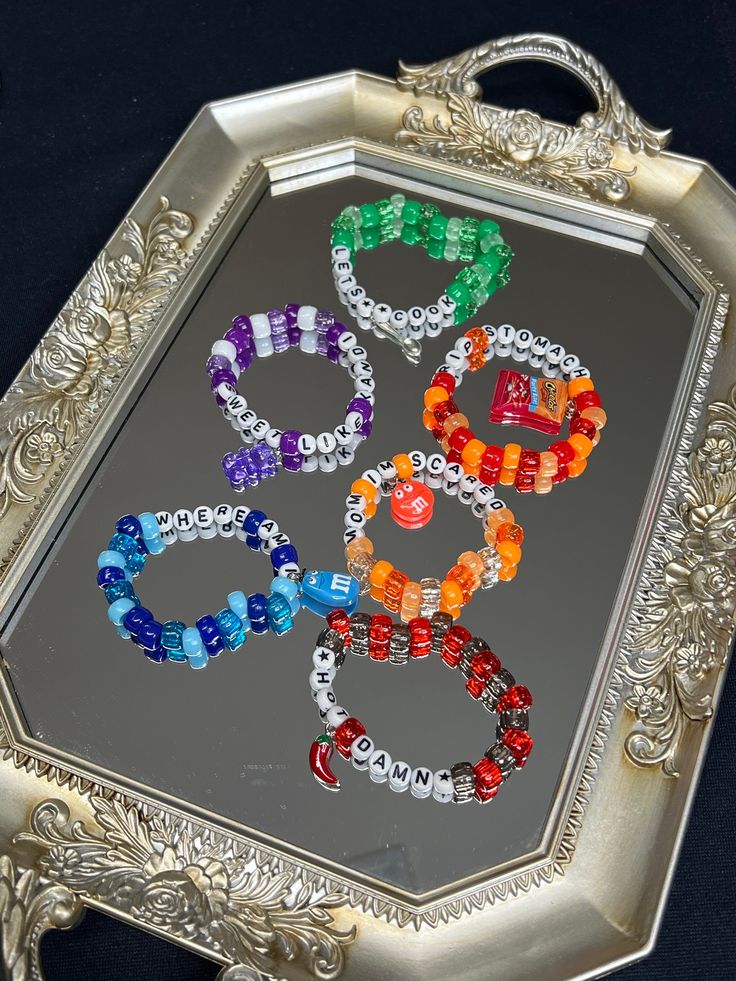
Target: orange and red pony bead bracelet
563,380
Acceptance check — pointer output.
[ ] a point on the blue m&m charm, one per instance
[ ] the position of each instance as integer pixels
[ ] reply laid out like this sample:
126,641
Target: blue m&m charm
325,591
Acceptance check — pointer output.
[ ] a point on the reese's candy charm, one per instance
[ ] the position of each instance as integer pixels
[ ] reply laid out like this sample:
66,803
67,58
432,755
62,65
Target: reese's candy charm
523,400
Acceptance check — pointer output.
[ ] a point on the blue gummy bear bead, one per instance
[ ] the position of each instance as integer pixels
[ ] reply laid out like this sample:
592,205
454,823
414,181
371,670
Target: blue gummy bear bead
118,610
118,590
110,558
124,544
128,525
158,654
211,636
135,618
135,563
238,603
191,642
149,635
109,575
283,554
149,525
231,628
171,635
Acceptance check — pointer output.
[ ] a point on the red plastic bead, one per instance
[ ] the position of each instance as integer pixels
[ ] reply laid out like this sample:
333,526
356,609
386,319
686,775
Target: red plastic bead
578,424
529,462
379,636
475,687
438,433
484,665
524,483
445,380
420,637
492,457
346,734
339,620
453,643
444,410
519,744
454,456
587,399
518,697
488,779
561,476
459,438
563,451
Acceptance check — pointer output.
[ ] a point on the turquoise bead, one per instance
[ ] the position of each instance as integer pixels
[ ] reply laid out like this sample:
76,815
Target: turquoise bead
279,614
149,525
124,544
110,558
179,657
231,628
117,610
171,634
122,632
135,563
289,590
155,545
119,590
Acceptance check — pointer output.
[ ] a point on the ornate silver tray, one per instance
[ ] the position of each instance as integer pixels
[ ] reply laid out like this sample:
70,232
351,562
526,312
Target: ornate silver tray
182,801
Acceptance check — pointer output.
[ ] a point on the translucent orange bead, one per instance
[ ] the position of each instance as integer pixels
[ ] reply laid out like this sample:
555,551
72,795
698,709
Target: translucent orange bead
596,415
455,421
509,552
479,338
453,611
473,451
581,444
509,531
445,445
575,468
403,464
489,534
548,464
365,488
393,587
499,517
579,385
507,477
542,485
358,545
507,572
380,572
434,395
411,600
465,579
451,595
370,509
472,468
472,561
511,454
597,438
428,419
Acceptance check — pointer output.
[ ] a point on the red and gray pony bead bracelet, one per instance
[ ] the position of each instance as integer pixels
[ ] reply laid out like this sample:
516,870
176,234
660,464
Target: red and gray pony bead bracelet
137,537
565,389
312,331
486,681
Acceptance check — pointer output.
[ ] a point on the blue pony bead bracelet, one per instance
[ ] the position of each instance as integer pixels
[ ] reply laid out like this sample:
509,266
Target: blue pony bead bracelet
137,537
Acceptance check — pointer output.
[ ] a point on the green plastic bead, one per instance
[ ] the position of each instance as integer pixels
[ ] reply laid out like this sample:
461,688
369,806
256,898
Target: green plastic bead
482,272
438,227
371,237
461,313
385,211
352,214
453,229
467,251
435,249
479,296
389,233
342,237
459,292
451,251
489,242
370,215
411,212
487,227
491,260
410,234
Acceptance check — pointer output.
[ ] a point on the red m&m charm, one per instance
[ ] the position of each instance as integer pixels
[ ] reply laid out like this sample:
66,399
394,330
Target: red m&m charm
412,503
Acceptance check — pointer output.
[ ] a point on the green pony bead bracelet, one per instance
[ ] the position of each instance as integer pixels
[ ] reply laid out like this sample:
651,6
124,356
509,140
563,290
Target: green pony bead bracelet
476,243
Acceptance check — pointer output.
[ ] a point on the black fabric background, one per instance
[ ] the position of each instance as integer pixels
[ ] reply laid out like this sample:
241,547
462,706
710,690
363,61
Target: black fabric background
94,94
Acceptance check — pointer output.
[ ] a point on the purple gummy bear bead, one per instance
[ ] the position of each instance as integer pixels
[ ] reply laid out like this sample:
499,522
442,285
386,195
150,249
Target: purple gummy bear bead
363,406
291,312
223,375
264,460
323,320
217,362
334,332
277,320
294,335
229,463
289,443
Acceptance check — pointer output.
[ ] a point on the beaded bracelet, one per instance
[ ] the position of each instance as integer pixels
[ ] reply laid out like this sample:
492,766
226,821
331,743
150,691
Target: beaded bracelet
137,537
412,222
402,478
525,469
312,331
486,681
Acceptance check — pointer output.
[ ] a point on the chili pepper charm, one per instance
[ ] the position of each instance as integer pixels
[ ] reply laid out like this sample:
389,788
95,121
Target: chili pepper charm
320,754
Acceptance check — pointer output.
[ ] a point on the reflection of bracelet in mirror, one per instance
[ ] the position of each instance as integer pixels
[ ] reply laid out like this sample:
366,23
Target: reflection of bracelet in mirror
511,465
137,537
409,479
486,681
477,243
312,331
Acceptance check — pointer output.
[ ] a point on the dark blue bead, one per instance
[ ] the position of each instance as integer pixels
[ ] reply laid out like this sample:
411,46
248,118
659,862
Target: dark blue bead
149,635
118,590
211,636
128,525
142,547
158,655
135,618
258,613
282,554
253,522
254,542
109,574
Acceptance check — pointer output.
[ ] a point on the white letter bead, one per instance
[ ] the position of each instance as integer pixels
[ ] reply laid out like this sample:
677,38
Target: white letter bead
225,349
354,519
246,419
506,334
342,435
464,345
340,253
362,749
364,309
453,472
323,657
433,329
418,460
346,283
468,483
261,325
321,678
357,353
342,268
356,502
580,373
226,391
435,464
354,421
569,363
223,514
273,438
266,529
373,477
434,314
535,361
456,360
259,428
417,331
274,541
417,316
381,313
399,776
365,386
447,304
289,569
523,340
379,763
305,317
422,781
184,525
555,354
327,462
237,404
483,493
345,456
387,470
326,442
356,294
351,534
442,786
491,333
325,699
310,464
399,319
539,344
336,716
307,444
204,519
346,341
